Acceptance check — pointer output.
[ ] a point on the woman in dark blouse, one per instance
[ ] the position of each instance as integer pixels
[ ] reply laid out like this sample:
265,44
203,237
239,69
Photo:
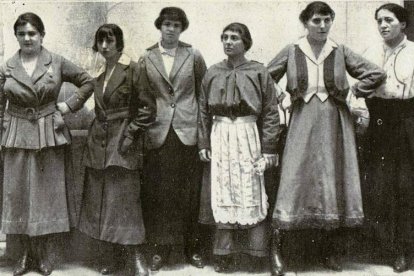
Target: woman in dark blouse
238,133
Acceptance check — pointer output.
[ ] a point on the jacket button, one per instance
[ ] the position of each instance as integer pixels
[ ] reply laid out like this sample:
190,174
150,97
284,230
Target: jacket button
103,144
379,122
171,91
173,105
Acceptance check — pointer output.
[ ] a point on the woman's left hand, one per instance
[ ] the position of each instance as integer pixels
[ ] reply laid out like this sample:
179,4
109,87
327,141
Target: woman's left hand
63,108
124,145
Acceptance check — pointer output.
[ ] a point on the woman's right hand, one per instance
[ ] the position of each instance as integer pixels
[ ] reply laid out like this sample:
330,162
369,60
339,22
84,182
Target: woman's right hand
287,103
205,155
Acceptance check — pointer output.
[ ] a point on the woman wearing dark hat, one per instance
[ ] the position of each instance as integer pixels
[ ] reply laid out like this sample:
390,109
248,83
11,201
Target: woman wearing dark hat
239,122
170,194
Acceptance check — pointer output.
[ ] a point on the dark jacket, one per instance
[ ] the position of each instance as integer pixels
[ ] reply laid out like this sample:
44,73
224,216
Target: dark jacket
123,111
29,96
176,94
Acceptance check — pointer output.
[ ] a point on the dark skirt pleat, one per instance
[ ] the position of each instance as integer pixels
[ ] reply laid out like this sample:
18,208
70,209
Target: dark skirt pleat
111,206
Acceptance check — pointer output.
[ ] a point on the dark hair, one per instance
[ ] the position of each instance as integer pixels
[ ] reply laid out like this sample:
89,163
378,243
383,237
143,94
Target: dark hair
317,7
109,31
172,13
400,12
243,31
31,18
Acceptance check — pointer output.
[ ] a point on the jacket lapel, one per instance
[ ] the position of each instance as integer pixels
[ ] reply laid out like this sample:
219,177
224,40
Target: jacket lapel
99,90
156,59
18,73
42,66
116,79
181,56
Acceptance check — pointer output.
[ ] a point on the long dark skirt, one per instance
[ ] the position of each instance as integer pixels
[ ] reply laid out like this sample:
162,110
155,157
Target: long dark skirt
37,197
320,183
170,194
389,190
111,206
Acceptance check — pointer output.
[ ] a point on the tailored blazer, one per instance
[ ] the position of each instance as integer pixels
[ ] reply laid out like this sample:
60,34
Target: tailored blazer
176,94
123,111
35,123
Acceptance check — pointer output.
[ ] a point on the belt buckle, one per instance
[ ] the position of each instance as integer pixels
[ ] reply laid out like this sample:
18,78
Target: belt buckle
31,113
380,122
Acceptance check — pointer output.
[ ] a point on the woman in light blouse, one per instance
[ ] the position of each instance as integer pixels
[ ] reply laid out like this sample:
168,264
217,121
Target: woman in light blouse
320,184
389,191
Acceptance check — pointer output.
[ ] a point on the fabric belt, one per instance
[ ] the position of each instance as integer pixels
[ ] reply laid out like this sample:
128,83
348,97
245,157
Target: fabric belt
237,120
112,114
31,113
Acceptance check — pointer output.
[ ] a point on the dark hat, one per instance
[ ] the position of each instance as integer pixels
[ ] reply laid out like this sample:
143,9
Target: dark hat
172,13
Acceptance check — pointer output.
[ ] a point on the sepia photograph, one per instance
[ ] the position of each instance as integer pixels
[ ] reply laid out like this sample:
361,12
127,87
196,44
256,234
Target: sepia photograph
207,137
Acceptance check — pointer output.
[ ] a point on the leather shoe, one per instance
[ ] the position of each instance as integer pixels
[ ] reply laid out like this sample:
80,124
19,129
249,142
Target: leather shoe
400,264
223,264
45,267
140,264
333,263
157,262
196,260
108,269
23,264
277,267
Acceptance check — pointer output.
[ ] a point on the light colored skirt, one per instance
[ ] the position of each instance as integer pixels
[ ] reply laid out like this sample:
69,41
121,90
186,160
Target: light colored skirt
237,192
320,183
37,197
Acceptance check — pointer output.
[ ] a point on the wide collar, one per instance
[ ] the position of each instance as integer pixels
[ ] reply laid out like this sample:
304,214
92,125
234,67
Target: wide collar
17,71
304,45
117,78
181,55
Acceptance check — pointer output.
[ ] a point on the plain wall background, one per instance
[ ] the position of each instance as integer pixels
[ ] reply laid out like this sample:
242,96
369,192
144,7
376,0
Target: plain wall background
70,26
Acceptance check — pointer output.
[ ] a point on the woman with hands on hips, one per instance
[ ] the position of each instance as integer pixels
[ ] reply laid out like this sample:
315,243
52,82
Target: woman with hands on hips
320,184
238,133
34,141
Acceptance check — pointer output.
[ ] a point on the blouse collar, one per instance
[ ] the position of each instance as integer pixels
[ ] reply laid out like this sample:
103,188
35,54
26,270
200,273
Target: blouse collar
304,45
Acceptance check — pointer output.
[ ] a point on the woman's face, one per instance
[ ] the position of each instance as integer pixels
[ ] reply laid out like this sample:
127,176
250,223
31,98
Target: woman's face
107,47
170,31
232,44
389,26
318,26
29,38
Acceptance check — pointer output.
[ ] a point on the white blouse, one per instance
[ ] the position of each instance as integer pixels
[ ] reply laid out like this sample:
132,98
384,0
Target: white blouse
316,83
398,63
168,56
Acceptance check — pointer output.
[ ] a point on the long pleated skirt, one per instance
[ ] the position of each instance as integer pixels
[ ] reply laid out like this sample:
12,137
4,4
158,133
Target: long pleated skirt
38,198
320,183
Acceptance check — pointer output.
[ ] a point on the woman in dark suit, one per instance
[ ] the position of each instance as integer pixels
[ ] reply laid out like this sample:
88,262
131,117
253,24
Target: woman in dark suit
172,170
124,108
34,141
